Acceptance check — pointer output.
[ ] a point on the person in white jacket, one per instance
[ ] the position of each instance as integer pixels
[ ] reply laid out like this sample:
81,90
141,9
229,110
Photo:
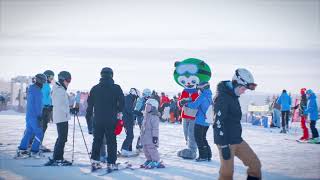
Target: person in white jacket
61,116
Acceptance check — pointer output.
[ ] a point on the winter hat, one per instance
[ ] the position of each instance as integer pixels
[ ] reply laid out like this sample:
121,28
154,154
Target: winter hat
153,103
106,72
146,92
49,73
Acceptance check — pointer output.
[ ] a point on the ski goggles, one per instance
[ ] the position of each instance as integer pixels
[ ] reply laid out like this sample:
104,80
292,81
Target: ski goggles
251,86
191,69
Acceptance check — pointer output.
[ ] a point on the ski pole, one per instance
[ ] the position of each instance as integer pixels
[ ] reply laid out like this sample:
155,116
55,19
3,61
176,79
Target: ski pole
74,127
84,140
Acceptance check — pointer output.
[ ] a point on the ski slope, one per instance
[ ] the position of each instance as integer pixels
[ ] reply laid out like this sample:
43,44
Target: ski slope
280,155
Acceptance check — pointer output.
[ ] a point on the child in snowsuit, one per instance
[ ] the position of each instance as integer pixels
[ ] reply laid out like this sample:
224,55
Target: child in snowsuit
150,135
312,112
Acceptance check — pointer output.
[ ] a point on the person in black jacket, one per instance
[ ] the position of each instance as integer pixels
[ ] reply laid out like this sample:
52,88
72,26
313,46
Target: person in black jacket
227,126
106,100
128,118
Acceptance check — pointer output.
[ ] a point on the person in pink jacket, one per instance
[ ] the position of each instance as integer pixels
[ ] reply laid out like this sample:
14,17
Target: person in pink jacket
150,135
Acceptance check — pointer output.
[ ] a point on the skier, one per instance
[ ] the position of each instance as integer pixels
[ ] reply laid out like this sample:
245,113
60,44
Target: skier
302,106
47,104
107,101
140,105
201,127
150,135
61,116
285,102
312,112
227,126
33,119
128,118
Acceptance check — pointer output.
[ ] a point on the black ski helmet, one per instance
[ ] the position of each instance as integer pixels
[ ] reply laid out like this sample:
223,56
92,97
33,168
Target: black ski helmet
64,75
49,73
106,72
41,78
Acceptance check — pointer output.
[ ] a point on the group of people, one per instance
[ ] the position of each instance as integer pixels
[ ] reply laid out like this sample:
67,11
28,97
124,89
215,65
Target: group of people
107,105
308,112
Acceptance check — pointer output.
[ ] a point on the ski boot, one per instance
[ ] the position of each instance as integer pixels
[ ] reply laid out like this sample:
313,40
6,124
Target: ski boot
21,154
199,159
37,155
112,167
44,149
145,164
95,165
154,164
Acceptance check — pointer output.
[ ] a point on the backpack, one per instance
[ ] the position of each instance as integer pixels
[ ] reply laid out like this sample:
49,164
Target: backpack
209,115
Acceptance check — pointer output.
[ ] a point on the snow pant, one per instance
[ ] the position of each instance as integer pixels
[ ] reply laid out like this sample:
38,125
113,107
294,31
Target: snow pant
151,152
313,128
139,120
101,131
246,155
285,119
32,128
188,131
127,143
200,134
62,129
304,128
46,117
276,117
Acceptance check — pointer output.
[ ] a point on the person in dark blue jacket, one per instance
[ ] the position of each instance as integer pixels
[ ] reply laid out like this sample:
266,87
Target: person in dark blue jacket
312,112
128,118
201,127
285,101
228,129
33,119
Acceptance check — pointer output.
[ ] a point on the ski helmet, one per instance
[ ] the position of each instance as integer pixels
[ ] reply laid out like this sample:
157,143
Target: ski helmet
134,92
106,72
203,85
153,103
41,78
64,75
49,73
303,91
146,92
244,77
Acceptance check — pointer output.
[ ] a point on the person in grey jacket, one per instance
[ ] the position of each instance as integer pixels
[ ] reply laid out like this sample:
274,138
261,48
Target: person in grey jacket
150,135
61,116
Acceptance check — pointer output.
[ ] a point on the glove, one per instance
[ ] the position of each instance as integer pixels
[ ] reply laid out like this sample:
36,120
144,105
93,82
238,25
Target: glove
74,110
119,115
39,118
137,113
119,127
226,154
185,101
155,140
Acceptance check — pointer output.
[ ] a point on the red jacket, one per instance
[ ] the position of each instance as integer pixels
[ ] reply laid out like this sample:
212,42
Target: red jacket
186,94
164,99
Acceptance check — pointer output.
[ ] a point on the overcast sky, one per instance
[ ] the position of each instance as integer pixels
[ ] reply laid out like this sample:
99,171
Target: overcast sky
279,41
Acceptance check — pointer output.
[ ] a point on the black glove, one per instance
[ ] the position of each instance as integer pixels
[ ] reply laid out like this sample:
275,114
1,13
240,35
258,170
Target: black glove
137,113
39,118
226,154
155,140
74,110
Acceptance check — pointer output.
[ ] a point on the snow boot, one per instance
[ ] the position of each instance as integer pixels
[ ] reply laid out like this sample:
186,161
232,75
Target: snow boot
252,178
112,167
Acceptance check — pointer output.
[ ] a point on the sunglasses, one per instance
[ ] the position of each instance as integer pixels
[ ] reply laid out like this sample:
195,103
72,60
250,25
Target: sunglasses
251,86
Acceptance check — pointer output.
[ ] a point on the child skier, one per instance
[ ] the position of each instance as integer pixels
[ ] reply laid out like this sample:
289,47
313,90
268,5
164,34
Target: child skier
150,135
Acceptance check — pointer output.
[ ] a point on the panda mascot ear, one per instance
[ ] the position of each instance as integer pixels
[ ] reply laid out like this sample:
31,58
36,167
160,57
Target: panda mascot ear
176,63
202,63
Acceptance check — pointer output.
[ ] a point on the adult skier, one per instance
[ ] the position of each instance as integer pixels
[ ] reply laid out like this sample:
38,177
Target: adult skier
33,119
227,126
106,100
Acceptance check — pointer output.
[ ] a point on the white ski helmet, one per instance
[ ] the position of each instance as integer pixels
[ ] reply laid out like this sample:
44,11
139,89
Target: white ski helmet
153,103
134,92
146,92
244,77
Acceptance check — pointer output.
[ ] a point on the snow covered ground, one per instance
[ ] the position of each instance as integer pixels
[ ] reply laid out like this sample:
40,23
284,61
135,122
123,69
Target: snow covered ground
281,156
